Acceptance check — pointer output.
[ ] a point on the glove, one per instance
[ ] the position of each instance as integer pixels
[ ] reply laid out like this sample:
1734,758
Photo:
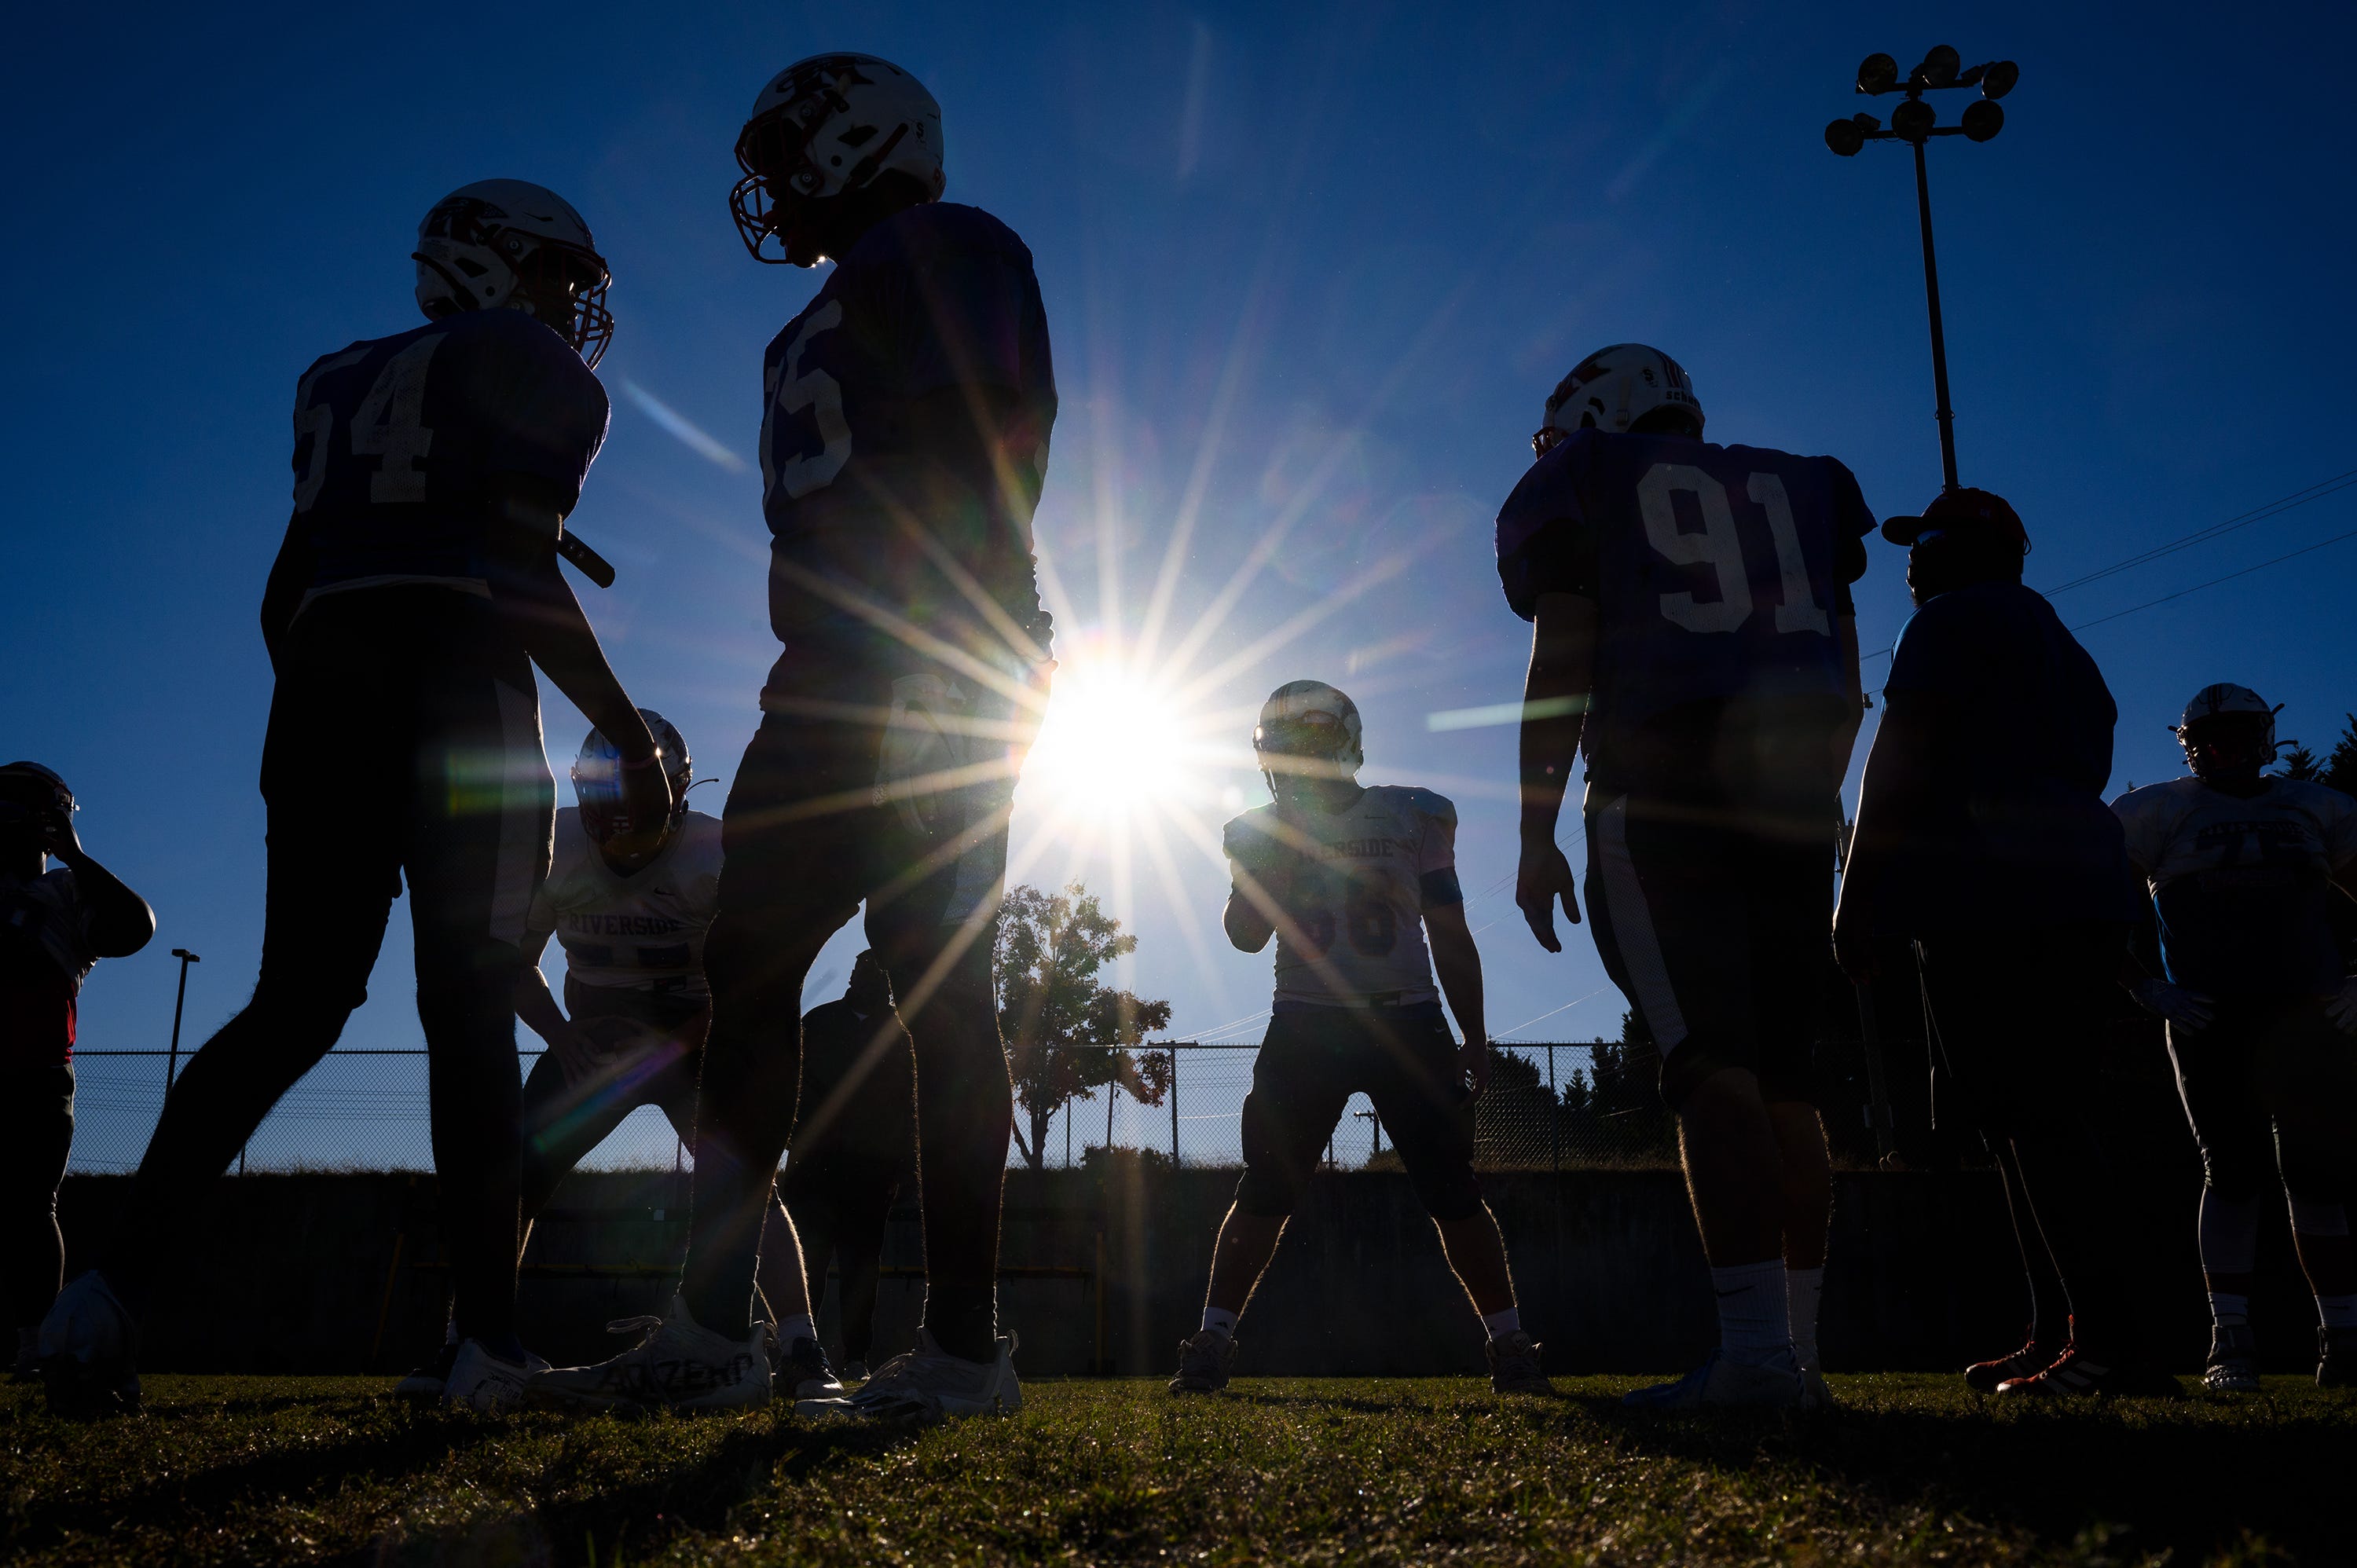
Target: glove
2341,1006
2184,1009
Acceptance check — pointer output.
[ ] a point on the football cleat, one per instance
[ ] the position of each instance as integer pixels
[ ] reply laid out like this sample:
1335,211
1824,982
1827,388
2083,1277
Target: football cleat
1515,1365
2336,1358
1612,390
2078,1374
803,1366
89,1347
1203,1362
2033,1357
2234,1366
424,1384
927,1384
1719,1383
479,1380
677,1364
509,244
856,1372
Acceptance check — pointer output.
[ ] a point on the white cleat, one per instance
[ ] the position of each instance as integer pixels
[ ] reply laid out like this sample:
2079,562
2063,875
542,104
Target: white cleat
89,1347
678,1364
1815,1392
1719,1383
930,1385
478,1381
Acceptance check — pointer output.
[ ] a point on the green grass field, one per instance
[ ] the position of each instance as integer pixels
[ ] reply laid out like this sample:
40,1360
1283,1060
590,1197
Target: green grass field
1913,1469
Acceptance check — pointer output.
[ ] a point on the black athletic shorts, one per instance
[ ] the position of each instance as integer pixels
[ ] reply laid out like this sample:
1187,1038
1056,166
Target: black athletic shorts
404,739
1719,935
1311,1063
2249,1063
867,781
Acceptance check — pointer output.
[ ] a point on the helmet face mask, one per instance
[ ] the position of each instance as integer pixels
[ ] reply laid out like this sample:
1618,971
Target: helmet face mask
510,244
823,129
1613,390
597,781
31,797
2227,732
1308,735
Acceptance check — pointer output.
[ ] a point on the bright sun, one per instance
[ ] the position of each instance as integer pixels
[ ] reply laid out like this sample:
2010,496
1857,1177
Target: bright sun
1116,743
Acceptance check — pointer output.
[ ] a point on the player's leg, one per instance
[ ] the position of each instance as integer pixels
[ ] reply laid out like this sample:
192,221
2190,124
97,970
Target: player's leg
2308,1080
483,813
1409,1071
1300,1084
2014,1016
864,1212
36,1139
1790,900
1665,901
2220,1091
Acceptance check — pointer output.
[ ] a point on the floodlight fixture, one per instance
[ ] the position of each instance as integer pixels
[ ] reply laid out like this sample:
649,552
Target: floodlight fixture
1914,121
1877,74
1983,119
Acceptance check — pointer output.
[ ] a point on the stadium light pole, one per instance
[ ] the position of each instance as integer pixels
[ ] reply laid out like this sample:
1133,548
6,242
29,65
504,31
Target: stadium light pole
1914,121
172,1058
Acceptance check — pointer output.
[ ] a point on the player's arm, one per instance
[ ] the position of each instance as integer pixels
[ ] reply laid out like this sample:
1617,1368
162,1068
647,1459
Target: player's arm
1853,692
1554,713
120,923
557,635
536,1006
1457,964
1250,919
290,578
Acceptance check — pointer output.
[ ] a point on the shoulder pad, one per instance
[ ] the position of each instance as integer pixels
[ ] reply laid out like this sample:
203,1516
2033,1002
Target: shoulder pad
1248,831
1427,803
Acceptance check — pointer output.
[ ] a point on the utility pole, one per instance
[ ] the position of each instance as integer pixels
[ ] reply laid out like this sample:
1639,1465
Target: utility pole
172,1058
1915,122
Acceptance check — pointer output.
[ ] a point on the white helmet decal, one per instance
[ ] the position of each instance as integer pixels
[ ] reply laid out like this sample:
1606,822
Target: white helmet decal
508,243
1614,388
830,124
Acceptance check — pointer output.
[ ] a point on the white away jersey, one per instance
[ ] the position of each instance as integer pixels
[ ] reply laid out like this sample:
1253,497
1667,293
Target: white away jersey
643,932
1353,886
2241,885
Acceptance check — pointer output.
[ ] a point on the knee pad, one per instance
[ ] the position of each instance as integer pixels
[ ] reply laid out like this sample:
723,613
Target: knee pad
2318,1217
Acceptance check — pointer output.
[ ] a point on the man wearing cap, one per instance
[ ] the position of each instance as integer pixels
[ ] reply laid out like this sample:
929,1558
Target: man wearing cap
1983,836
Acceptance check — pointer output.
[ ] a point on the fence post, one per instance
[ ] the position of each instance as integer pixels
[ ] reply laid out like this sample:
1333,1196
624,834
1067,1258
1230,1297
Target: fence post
1174,1106
172,1062
1109,1090
1555,1117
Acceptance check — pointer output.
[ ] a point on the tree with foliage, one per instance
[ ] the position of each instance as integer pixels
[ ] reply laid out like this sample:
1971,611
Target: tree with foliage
2337,769
1069,1035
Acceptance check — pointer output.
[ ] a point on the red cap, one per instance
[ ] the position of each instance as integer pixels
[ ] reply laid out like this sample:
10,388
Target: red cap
1959,509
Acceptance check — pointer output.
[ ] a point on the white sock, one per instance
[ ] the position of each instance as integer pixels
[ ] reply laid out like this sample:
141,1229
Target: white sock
795,1329
1755,1326
1219,1320
2229,1311
1501,1324
1803,1288
2337,1311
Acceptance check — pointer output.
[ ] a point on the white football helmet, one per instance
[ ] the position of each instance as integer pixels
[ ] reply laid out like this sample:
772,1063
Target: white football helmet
508,243
1612,389
2227,728
1307,730
825,127
598,780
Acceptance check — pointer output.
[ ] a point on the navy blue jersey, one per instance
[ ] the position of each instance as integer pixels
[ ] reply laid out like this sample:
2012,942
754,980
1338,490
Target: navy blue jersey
398,442
1717,574
864,485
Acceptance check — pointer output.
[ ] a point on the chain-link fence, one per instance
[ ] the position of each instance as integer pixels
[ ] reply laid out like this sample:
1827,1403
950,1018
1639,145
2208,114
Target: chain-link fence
1548,1106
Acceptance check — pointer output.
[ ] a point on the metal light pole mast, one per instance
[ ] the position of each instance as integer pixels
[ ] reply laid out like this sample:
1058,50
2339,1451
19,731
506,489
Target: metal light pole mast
172,1059
1915,123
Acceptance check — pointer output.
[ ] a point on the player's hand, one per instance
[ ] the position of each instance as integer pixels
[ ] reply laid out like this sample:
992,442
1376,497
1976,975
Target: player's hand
58,835
1473,1065
2341,1006
2184,1009
1543,878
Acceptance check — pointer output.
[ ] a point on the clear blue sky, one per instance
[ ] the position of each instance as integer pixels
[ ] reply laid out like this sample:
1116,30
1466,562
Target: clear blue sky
1308,268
